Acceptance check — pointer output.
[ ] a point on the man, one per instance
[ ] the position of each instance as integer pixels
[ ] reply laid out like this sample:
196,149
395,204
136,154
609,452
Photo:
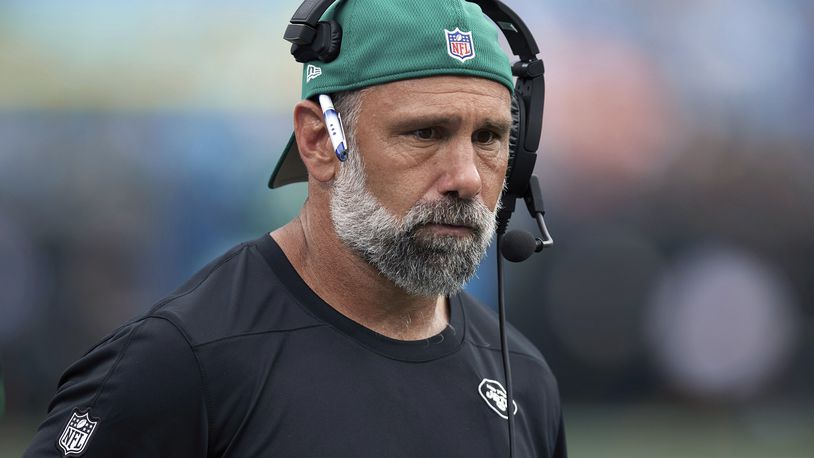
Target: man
344,332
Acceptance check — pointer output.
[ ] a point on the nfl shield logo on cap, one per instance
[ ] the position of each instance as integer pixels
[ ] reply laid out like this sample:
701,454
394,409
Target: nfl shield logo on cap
460,44
77,433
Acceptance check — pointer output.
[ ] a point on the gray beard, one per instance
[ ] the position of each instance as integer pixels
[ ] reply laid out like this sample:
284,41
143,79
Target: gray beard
417,261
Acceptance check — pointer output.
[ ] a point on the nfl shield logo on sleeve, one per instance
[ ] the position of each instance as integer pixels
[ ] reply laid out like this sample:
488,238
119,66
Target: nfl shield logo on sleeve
460,44
77,433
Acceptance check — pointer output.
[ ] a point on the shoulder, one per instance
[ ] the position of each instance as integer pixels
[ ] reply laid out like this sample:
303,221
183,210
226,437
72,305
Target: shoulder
238,293
534,384
150,350
125,385
483,331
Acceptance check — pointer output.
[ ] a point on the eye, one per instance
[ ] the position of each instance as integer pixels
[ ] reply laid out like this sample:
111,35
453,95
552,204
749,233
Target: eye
428,133
485,137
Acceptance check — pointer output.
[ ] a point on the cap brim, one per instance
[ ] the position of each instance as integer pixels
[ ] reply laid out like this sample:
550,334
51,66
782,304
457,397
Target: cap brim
290,168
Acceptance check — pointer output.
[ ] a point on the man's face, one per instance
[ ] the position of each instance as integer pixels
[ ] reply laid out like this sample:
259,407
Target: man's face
421,208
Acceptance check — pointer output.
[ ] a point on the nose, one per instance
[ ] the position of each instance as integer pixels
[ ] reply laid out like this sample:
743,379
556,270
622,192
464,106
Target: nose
460,177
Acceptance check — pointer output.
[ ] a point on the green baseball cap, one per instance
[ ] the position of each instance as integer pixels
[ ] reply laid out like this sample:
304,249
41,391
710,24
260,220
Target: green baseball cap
392,40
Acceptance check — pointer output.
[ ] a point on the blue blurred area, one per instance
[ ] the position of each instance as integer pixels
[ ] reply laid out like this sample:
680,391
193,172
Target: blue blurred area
677,163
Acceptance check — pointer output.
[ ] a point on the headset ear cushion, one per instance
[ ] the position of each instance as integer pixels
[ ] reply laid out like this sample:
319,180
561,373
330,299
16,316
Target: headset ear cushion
332,41
514,133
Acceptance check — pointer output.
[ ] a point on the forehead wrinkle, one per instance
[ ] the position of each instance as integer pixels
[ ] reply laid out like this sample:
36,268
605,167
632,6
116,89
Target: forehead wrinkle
437,101
440,111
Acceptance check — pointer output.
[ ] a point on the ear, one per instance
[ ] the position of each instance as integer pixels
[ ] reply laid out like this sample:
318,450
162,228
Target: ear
314,141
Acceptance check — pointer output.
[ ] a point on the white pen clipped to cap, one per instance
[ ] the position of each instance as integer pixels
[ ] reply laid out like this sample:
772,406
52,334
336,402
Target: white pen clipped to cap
333,121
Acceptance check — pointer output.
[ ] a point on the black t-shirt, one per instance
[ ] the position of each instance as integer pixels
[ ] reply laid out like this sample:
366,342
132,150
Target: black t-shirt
245,360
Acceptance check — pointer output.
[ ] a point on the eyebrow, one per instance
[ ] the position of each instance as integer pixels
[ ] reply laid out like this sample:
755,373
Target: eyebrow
498,125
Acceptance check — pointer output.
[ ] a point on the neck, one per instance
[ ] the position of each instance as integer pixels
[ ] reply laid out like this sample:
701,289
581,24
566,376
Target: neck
352,286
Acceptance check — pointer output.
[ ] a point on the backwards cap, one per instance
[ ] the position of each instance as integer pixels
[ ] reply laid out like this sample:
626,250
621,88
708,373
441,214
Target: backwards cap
392,40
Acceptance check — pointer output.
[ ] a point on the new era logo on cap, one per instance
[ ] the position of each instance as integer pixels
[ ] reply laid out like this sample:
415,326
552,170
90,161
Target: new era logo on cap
312,71
460,44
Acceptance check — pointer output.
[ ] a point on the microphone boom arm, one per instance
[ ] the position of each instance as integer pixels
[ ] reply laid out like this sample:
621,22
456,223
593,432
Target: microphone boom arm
534,203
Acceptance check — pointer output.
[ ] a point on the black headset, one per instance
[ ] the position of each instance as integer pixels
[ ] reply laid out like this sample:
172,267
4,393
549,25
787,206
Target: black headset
313,39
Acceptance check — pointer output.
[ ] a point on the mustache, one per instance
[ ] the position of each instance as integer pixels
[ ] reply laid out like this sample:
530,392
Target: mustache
452,211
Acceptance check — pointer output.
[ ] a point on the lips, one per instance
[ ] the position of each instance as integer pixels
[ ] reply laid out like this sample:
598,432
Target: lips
449,229
453,217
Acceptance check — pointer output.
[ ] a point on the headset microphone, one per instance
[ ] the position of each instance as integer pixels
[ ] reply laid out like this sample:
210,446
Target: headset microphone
520,245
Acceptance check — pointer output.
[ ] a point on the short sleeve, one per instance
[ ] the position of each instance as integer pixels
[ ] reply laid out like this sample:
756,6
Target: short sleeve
139,393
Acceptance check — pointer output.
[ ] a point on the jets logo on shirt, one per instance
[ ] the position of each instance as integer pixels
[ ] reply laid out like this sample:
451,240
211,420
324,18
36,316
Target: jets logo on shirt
460,44
77,433
495,396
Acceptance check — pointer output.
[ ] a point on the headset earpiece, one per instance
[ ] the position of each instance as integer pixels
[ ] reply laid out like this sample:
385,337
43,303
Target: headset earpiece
529,93
325,45
514,133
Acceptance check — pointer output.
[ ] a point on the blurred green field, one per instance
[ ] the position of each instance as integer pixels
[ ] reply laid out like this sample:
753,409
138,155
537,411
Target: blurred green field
668,431
663,431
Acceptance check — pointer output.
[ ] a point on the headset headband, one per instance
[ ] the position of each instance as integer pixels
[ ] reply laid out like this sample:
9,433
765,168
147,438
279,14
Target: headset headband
303,25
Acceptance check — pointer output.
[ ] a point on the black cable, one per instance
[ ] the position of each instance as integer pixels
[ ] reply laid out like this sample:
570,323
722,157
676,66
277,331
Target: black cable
504,347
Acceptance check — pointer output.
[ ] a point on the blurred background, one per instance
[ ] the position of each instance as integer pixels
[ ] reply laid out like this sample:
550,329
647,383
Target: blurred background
677,161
